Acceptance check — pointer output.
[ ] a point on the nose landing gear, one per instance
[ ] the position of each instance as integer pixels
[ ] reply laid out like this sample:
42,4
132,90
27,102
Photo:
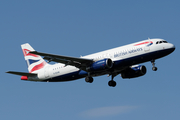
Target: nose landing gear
153,64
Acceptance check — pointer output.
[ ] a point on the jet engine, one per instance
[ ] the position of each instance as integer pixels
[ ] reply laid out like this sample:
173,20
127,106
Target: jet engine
135,71
101,65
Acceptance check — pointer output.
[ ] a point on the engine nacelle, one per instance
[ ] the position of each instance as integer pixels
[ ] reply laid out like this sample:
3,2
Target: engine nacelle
101,65
133,72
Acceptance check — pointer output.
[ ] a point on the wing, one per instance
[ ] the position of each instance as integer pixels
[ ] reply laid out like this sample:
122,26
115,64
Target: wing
80,63
22,73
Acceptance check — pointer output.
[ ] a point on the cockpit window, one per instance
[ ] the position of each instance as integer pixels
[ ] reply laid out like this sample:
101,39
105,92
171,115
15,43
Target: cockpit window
165,42
159,42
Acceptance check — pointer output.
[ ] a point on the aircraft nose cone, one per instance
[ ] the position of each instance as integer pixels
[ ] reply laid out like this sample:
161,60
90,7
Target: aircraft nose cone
172,47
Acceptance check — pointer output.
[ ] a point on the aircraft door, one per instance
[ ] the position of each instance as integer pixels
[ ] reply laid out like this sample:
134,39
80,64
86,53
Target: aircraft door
46,72
147,48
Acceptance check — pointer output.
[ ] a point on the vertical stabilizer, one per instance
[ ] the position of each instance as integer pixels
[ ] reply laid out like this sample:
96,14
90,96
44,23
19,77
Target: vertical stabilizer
34,62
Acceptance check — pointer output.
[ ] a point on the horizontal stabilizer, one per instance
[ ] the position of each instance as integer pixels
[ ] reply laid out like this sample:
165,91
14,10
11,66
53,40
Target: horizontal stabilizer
22,73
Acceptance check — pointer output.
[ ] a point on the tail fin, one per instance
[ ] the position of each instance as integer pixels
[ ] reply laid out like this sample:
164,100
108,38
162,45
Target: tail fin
34,62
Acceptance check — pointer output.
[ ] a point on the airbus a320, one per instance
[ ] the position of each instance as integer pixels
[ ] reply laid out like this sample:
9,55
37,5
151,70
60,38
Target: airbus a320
122,60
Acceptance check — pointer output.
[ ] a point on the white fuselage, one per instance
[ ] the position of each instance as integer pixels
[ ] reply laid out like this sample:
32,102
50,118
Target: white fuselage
139,52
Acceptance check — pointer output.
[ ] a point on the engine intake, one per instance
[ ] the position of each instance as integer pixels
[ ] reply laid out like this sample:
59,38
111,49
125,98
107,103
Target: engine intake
101,65
133,72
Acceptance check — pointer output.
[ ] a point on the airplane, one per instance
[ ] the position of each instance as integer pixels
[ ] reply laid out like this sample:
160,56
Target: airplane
122,60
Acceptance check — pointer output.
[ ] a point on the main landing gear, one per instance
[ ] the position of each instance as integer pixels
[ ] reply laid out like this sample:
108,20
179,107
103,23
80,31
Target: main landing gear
112,83
153,64
89,79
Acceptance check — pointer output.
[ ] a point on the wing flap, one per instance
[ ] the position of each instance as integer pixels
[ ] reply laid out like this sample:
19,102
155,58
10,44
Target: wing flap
77,62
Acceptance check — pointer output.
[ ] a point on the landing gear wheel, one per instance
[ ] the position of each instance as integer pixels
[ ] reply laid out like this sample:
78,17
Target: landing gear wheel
112,83
153,64
89,79
154,68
